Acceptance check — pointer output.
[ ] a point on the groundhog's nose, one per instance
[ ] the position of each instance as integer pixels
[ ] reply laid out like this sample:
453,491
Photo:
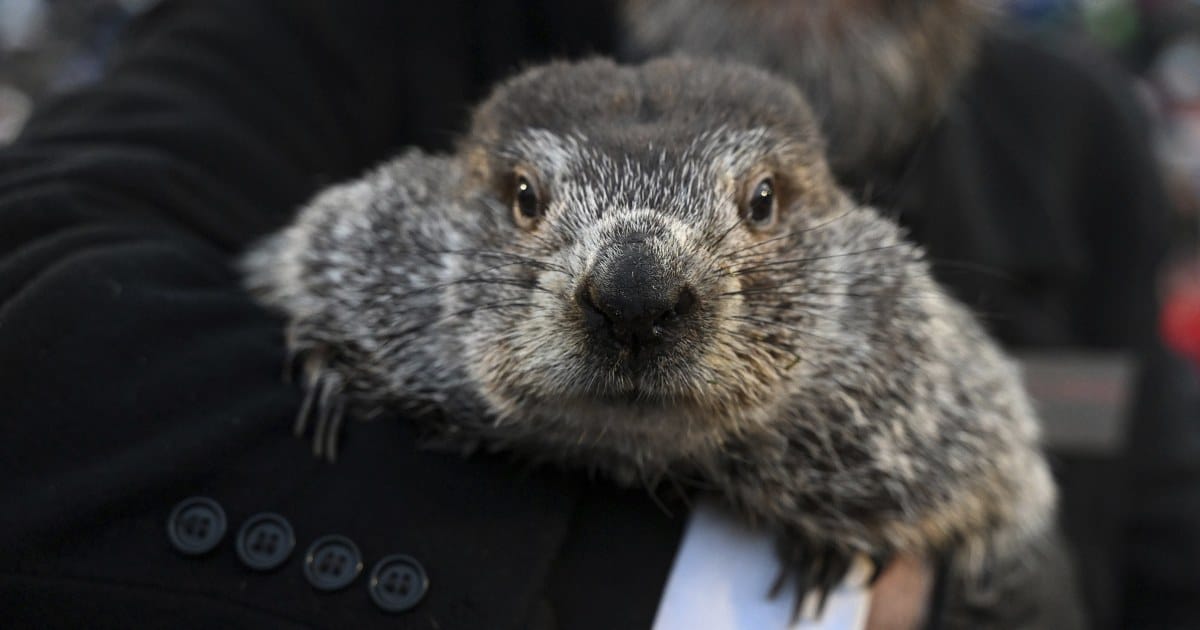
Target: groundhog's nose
631,298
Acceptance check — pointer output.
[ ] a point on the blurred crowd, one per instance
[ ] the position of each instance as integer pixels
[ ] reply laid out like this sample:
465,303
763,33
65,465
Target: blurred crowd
1159,42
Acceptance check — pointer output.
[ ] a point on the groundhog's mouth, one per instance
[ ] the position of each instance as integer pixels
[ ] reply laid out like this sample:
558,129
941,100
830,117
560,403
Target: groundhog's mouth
635,397
627,385
635,411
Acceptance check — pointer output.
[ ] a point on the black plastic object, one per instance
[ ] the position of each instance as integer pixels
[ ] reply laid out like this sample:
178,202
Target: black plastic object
265,541
196,525
397,583
332,562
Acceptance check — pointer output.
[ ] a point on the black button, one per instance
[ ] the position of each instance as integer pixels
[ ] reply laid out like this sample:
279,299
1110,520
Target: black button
397,583
265,541
196,525
332,562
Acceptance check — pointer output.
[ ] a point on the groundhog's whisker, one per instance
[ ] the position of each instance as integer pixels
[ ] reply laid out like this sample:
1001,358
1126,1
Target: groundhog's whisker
747,252
468,278
802,261
805,276
514,258
861,274
743,252
882,295
812,311
733,225
789,327
962,265
422,326
539,239
859,329
803,288
939,263
491,307
512,282
484,251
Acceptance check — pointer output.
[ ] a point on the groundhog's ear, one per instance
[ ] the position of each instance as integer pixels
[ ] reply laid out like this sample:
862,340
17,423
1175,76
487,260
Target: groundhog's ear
484,174
807,185
479,171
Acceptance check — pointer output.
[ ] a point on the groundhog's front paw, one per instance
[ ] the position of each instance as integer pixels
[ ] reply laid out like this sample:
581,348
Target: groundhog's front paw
324,399
813,569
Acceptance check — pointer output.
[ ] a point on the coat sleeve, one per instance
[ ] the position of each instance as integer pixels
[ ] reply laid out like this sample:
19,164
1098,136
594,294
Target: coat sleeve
123,328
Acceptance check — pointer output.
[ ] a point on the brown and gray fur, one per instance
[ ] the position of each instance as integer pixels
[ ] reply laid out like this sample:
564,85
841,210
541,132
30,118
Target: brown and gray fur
877,73
823,385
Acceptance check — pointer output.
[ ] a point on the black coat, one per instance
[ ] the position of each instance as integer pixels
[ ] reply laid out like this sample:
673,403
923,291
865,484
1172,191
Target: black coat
135,373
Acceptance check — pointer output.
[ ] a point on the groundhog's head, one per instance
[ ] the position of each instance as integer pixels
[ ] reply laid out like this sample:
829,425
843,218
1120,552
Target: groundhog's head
676,247
637,261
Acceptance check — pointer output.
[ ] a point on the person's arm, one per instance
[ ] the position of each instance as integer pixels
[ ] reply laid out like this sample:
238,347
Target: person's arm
121,208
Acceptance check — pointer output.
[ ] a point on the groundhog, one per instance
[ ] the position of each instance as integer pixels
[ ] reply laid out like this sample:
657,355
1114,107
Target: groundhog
649,271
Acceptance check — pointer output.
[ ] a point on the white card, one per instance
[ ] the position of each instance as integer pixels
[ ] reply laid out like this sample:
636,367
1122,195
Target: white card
722,576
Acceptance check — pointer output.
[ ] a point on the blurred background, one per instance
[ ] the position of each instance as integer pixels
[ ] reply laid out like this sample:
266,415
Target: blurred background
1158,41
50,46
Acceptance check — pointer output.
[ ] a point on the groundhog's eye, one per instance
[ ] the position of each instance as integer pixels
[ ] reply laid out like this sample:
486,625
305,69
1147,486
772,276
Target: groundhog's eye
759,209
527,207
